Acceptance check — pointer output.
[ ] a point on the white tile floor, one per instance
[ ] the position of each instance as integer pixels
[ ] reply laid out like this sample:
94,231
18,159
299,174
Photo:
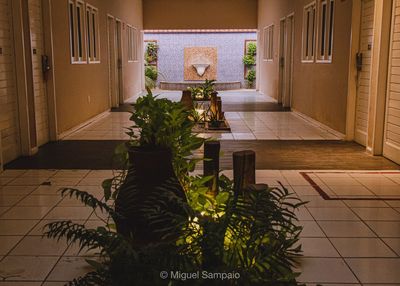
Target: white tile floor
232,96
244,125
345,242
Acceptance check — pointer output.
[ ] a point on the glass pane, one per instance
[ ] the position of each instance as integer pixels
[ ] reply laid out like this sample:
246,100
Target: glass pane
94,25
72,29
308,34
79,27
89,40
323,29
313,32
332,13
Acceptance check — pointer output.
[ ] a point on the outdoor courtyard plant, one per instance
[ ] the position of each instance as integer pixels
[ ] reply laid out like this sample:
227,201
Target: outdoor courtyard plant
249,60
234,237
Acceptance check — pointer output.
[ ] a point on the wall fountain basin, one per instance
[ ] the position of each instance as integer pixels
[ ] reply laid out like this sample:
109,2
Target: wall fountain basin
201,68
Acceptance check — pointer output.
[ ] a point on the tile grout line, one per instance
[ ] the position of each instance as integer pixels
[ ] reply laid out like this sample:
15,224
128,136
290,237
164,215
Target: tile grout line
62,255
342,258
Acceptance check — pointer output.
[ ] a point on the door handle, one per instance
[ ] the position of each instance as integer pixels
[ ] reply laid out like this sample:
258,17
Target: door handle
46,67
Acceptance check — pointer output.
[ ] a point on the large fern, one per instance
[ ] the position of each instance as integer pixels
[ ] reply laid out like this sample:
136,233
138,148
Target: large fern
254,235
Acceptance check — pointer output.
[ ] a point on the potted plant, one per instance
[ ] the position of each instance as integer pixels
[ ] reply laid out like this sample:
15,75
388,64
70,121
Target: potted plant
203,92
197,93
208,88
156,156
250,235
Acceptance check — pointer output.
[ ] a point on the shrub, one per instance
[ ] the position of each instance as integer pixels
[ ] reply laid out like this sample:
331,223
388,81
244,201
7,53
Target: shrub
249,60
251,49
251,78
151,52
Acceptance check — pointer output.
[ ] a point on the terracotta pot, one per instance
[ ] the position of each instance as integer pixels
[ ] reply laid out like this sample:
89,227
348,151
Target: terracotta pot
150,186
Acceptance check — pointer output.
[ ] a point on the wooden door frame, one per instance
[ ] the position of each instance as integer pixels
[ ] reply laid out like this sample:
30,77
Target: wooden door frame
281,68
382,87
120,53
289,67
24,76
112,75
352,71
285,72
50,82
379,74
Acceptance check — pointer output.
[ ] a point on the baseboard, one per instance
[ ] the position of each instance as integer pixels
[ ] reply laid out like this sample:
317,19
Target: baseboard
82,125
319,124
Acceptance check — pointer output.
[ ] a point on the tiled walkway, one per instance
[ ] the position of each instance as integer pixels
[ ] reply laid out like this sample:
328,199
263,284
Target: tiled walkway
351,232
244,125
345,241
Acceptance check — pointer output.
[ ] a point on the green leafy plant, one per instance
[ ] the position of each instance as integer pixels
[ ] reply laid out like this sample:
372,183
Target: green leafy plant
151,54
204,91
197,92
251,49
249,60
214,119
251,232
251,78
151,72
165,124
151,76
208,88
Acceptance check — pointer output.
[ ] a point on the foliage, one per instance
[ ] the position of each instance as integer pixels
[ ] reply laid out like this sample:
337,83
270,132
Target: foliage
151,76
197,92
251,78
165,124
208,88
151,54
249,60
214,119
251,49
204,91
252,233
151,72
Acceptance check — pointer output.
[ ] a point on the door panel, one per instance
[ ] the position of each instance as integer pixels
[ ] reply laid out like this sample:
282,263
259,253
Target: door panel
289,42
364,75
391,140
9,118
120,77
112,62
286,42
37,42
282,32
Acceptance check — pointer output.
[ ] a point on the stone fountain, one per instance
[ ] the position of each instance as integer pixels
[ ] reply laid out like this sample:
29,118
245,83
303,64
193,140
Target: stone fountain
200,68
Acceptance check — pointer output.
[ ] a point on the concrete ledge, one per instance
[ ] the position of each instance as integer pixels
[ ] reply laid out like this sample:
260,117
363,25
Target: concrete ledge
184,85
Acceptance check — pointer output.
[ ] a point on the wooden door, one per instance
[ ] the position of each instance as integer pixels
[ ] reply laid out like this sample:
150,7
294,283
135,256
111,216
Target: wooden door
364,74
